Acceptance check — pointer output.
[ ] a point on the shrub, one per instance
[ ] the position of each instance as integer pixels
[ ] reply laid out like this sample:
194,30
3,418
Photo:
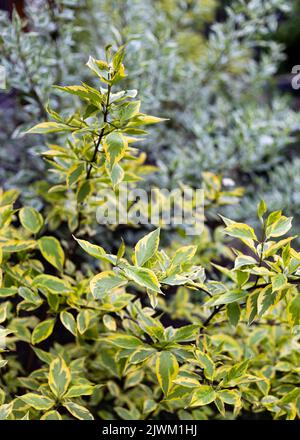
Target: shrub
143,332
225,112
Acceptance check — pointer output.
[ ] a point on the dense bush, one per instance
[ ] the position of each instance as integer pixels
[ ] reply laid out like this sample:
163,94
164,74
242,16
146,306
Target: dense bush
212,79
141,332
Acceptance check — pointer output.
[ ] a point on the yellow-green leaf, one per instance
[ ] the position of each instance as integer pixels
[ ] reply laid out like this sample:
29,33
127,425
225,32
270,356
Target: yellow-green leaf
204,395
147,247
124,341
294,310
92,249
51,283
183,255
37,401
78,411
51,415
5,292
49,127
110,323
104,282
42,331
83,320
68,321
166,370
31,219
59,377
240,230
206,362
115,146
279,281
52,251
231,397
279,227
79,390
143,277
74,173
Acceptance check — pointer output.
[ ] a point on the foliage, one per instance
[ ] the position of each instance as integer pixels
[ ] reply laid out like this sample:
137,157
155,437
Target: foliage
140,332
182,64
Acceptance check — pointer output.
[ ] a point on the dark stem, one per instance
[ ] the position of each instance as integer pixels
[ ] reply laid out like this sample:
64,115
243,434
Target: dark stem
211,316
100,135
97,146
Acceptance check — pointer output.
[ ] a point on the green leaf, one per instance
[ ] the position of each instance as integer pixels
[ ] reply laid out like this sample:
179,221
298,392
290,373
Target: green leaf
51,415
116,174
84,92
134,378
74,173
124,341
183,255
121,250
227,298
42,331
147,247
266,298
5,292
104,282
206,363
236,372
279,281
49,127
290,397
143,277
294,310
83,321
124,413
231,397
31,219
115,146
110,323
140,355
52,251
18,245
166,368
78,411
185,380
186,333
129,110
142,119
5,410
59,377
79,390
280,227
233,312
149,406
51,283
83,191
29,295
244,260
98,66
261,210
240,230
37,401
69,322
92,249
44,356
204,395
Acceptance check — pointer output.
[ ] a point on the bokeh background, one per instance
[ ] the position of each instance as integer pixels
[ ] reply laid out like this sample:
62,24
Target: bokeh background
219,70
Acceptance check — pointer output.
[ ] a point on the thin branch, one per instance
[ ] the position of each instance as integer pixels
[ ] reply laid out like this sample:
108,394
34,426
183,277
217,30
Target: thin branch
100,135
211,316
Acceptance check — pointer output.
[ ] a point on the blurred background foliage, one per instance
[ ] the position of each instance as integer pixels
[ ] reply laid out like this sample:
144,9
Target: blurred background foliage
218,70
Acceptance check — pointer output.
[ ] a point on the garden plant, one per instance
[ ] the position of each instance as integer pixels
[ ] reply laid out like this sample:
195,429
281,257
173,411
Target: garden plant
153,328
